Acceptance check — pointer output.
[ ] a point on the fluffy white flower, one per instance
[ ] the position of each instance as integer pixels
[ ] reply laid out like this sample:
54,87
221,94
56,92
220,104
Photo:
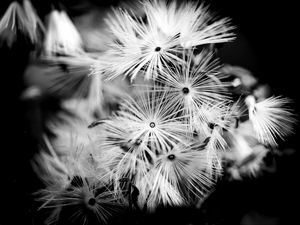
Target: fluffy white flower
196,87
180,176
13,18
135,47
155,45
270,118
84,200
123,157
72,188
152,119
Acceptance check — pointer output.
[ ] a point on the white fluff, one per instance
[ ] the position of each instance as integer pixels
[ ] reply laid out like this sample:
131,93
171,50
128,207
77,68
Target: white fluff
271,118
62,36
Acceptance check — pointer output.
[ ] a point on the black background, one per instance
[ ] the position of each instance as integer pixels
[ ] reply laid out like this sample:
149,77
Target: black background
267,44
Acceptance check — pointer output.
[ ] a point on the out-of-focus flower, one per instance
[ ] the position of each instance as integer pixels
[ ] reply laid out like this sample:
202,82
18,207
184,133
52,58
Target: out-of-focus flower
72,188
20,20
83,200
56,178
241,75
262,92
35,25
245,152
72,134
70,79
12,20
62,37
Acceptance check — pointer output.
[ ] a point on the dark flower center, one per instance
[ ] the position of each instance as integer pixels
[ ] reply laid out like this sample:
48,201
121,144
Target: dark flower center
152,124
171,157
185,90
92,201
157,49
138,141
211,125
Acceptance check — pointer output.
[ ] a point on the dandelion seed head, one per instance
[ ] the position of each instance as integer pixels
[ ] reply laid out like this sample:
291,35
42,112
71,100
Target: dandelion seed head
194,88
149,118
270,118
183,171
168,30
138,47
82,197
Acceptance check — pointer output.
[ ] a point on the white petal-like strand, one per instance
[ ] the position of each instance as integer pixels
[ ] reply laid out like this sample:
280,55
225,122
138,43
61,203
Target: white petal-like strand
34,23
12,21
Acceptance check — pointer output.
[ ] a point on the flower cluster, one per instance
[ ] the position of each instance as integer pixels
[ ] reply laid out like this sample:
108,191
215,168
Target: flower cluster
155,120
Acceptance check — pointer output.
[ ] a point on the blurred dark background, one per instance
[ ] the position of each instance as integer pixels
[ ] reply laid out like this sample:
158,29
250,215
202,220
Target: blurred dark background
266,44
